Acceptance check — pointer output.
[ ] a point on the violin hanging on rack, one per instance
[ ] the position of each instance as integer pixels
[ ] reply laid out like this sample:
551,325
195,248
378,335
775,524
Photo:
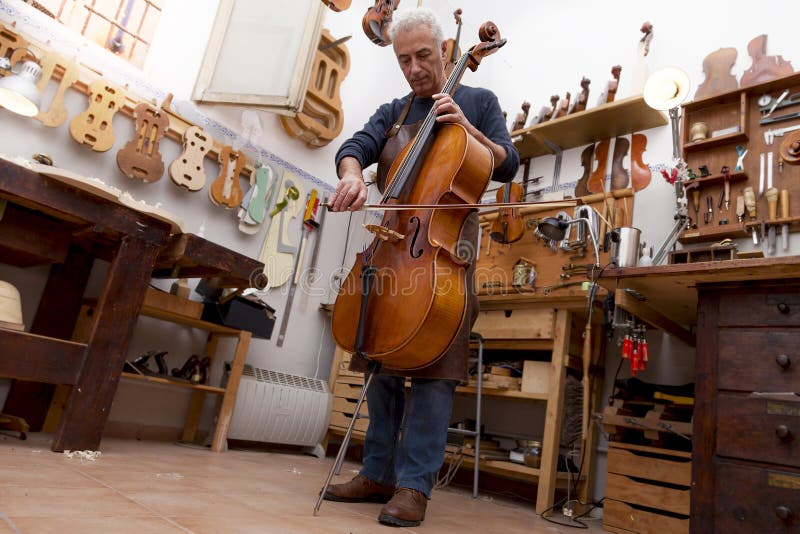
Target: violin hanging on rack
377,19
508,227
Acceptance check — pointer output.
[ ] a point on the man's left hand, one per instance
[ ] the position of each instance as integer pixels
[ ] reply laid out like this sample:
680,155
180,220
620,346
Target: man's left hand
448,111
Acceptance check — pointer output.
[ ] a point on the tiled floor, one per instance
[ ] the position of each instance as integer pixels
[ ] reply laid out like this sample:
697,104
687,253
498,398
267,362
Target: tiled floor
155,487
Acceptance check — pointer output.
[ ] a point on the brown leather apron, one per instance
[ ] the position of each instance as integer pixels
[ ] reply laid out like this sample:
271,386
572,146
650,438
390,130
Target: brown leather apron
453,365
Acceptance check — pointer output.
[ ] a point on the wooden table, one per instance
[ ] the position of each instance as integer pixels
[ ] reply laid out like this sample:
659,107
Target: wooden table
47,222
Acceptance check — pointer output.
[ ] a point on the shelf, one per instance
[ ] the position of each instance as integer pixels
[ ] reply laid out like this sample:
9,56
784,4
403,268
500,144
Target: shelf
510,470
502,393
774,222
167,381
734,230
188,321
705,144
714,179
602,122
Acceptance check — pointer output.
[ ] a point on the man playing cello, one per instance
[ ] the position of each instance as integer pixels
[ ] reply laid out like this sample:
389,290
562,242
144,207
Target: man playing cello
405,441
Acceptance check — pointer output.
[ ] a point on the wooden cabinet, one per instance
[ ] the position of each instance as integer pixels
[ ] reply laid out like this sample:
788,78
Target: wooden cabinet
734,119
746,464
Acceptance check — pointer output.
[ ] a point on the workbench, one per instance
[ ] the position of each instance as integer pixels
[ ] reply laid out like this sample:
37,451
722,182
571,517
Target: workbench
47,221
746,315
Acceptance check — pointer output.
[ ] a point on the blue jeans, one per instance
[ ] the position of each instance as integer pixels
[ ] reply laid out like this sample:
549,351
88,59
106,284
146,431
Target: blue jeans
405,442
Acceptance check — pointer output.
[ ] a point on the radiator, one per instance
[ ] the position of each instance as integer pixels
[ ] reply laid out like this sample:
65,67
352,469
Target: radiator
273,407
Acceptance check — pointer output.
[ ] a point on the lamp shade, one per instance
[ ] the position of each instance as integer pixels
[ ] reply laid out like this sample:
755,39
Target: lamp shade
18,92
666,88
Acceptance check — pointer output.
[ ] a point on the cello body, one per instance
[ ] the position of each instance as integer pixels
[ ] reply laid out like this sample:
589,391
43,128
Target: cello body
419,297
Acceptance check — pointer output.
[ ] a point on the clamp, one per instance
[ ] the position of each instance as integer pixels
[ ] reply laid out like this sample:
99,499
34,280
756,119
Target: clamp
741,151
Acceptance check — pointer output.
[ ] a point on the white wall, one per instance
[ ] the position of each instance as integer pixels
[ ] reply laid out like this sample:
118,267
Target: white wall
551,45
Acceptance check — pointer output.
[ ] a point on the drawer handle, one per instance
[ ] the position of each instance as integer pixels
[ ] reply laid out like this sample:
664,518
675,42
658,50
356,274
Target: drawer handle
783,512
783,432
783,360
783,307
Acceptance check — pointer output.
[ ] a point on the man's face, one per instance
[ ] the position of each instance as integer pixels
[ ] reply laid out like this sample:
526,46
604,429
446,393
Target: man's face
421,59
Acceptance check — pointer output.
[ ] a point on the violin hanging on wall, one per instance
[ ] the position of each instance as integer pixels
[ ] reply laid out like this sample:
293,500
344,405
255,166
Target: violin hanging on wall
140,158
377,19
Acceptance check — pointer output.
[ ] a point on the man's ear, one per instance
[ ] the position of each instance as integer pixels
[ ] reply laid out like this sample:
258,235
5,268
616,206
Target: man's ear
444,51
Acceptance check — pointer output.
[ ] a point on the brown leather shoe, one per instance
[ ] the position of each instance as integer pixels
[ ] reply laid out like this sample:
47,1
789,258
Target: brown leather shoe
406,509
360,489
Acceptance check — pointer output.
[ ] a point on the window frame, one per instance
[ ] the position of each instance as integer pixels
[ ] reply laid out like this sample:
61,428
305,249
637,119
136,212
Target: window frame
287,104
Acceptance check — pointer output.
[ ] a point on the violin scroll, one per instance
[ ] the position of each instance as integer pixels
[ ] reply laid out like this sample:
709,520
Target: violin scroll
490,43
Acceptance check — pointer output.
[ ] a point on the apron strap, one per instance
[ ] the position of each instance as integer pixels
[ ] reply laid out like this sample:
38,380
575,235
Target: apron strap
392,131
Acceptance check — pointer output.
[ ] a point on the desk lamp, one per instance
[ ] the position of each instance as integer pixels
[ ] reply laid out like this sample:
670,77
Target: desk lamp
555,228
18,91
665,90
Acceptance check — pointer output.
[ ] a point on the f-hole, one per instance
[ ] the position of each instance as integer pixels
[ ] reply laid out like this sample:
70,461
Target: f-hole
415,220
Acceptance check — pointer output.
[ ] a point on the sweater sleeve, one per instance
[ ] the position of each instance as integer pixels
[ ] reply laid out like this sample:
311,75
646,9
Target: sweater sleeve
494,127
366,144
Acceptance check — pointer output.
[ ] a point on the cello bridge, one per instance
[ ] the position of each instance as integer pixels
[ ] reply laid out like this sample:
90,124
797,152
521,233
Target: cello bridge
381,232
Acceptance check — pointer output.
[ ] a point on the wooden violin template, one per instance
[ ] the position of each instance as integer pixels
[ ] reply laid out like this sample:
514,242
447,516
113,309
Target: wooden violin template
619,175
140,158
277,252
764,67
187,170
717,69
56,113
225,190
581,188
377,19
640,172
597,179
94,126
321,119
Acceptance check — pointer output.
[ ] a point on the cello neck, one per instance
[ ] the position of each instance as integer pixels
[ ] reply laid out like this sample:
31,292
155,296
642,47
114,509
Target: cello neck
418,146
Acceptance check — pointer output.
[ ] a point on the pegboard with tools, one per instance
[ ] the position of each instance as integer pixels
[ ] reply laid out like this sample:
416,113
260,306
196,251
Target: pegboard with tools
743,147
540,267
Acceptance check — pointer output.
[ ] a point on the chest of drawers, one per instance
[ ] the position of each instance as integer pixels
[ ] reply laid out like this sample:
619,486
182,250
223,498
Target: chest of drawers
746,458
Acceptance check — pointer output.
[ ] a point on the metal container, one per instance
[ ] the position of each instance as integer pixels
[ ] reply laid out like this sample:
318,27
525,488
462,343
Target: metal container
625,250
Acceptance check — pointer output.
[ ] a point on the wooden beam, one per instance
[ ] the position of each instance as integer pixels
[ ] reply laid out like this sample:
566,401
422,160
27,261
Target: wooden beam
27,356
652,317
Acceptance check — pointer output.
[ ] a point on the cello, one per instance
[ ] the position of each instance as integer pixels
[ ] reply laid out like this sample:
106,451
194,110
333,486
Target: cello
405,298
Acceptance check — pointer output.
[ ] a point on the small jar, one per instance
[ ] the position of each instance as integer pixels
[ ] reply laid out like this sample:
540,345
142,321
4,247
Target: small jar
698,131
532,451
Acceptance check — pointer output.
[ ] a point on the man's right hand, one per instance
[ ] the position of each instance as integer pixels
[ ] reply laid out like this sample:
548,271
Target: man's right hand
351,192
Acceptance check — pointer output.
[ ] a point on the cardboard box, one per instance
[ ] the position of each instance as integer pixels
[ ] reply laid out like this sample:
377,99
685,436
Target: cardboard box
536,377
245,313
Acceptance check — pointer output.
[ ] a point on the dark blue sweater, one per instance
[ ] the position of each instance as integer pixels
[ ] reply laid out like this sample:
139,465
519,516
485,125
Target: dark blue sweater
480,107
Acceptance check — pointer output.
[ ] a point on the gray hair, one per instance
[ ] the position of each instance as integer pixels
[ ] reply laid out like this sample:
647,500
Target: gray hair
403,21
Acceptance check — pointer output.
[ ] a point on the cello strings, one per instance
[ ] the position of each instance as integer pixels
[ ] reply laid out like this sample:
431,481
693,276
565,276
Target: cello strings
404,170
